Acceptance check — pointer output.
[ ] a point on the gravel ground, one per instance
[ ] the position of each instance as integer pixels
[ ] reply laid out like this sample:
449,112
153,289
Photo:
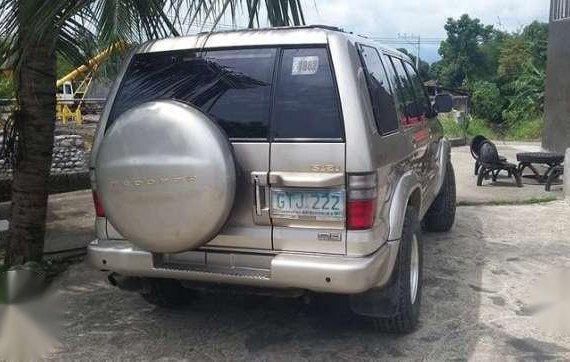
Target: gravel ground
490,294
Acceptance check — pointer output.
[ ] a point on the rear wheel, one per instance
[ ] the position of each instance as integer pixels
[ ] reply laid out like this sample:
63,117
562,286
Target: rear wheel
441,214
405,288
166,293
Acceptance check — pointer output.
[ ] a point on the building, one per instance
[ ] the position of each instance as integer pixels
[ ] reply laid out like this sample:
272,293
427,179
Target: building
556,135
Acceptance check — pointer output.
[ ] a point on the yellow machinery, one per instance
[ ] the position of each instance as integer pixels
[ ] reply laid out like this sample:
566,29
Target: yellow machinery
67,98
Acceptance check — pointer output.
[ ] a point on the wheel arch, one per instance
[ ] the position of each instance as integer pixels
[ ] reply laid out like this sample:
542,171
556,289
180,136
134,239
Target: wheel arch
407,193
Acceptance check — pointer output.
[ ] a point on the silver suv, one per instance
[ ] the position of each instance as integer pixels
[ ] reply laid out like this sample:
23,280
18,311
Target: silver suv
293,158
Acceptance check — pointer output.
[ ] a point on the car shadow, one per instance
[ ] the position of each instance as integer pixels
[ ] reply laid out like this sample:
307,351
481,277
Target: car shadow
476,305
224,325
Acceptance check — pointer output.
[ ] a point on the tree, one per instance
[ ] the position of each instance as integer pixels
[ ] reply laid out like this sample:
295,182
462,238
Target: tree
536,35
527,99
424,67
35,32
462,56
514,55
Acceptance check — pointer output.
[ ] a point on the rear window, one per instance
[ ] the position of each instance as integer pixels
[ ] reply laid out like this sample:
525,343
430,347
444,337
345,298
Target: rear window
306,98
235,87
232,86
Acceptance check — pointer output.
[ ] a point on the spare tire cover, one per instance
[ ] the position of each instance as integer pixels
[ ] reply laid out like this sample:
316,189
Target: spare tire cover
166,176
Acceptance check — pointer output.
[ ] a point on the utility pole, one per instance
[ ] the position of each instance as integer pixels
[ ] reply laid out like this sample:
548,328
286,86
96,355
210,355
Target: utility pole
418,52
414,41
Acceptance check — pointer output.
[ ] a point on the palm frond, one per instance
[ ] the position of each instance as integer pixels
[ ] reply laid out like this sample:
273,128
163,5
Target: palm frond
83,26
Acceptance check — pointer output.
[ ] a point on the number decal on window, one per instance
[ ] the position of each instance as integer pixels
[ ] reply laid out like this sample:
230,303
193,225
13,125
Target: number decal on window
305,65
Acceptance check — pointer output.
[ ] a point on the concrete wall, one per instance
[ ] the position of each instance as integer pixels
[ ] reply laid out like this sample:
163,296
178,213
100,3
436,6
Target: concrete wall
69,156
556,135
69,168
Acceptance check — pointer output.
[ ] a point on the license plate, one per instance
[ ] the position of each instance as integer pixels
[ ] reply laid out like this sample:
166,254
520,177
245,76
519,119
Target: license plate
308,205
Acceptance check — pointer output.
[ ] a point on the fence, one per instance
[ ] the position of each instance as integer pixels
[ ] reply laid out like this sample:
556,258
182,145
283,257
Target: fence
559,10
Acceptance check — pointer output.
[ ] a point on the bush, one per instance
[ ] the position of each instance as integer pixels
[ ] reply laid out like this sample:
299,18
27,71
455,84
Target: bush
476,126
479,126
451,128
486,101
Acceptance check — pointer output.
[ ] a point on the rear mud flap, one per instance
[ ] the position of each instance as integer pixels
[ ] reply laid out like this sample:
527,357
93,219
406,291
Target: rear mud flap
378,302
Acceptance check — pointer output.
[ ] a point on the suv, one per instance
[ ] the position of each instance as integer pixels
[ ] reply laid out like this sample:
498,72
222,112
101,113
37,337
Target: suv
303,158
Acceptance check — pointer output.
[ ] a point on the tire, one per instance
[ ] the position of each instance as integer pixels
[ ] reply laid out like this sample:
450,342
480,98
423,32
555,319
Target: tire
441,214
166,293
407,313
166,176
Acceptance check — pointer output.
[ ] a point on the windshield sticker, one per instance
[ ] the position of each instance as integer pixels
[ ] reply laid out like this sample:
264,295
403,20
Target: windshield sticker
305,65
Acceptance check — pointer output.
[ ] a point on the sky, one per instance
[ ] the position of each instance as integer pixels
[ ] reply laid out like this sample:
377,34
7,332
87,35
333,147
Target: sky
388,18
393,20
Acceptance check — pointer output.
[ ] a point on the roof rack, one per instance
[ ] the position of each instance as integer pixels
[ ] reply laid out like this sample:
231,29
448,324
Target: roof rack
316,26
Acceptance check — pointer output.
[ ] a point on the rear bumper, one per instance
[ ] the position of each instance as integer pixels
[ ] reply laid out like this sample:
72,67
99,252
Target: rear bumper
320,273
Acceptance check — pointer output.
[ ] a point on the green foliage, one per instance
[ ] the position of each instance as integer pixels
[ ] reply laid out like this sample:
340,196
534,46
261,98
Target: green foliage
64,66
505,73
536,35
424,68
451,129
6,87
462,55
486,101
529,130
82,27
514,55
478,126
475,126
526,99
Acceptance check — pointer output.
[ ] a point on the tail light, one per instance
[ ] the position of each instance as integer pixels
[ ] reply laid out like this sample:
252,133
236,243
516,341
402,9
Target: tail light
99,211
361,201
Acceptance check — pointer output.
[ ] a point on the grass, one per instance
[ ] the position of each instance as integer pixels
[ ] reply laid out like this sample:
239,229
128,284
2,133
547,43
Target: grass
476,126
528,130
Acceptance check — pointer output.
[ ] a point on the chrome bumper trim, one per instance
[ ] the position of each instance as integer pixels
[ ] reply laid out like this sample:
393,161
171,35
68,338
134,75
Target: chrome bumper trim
320,273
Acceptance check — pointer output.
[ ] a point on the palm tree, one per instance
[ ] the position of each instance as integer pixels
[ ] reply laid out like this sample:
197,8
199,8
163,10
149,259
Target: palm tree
34,32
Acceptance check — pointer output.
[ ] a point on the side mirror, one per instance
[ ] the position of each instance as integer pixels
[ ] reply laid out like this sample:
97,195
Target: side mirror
443,103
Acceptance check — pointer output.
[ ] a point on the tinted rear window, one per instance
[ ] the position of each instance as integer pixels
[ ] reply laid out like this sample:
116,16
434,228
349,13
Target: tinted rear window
232,86
306,98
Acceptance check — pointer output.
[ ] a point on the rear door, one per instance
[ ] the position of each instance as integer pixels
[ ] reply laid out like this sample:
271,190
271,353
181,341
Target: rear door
307,168
431,130
233,86
413,109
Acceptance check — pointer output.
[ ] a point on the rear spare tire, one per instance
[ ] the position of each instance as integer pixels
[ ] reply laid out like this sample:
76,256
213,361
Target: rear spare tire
166,176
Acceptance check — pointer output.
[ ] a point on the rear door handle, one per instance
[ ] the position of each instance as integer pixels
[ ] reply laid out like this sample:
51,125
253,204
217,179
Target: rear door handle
306,179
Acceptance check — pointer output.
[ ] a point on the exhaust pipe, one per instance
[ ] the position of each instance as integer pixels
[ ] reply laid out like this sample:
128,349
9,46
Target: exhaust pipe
131,284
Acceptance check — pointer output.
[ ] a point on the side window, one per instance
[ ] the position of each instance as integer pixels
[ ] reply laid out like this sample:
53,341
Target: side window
419,90
306,98
380,93
406,99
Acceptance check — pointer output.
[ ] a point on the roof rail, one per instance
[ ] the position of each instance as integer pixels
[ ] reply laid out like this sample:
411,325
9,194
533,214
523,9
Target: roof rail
326,27
316,26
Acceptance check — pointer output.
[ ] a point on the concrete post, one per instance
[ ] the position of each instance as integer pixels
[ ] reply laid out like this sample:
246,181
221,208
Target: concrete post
567,175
